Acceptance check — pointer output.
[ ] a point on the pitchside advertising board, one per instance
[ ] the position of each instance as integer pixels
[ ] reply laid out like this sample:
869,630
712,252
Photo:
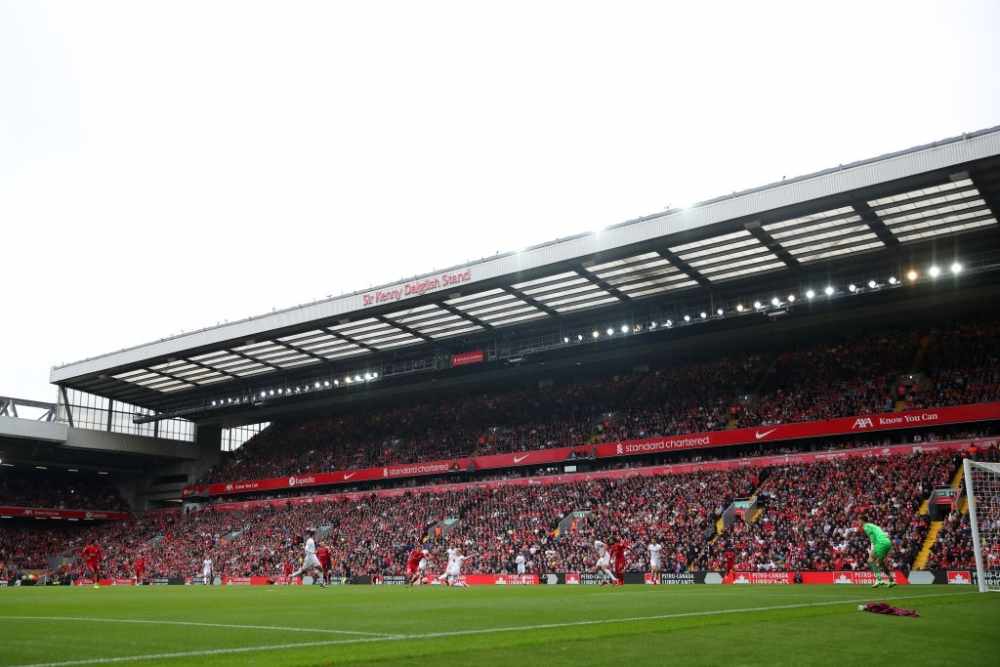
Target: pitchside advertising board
69,515
855,578
965,577
497,580
672,579
637,447
105,582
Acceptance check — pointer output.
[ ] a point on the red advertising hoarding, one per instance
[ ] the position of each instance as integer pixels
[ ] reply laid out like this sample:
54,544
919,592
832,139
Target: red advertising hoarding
637,447
804,430
959,576
247,581
859,577
104,582
763,578
864,577
496,580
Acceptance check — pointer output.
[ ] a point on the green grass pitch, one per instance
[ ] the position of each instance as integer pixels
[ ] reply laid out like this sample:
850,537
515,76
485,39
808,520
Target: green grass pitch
543,625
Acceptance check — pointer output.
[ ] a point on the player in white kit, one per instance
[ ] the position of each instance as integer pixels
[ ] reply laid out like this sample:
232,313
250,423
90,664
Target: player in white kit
603,565
520,562
453,573
422,566
206,571
310,563
451,551
654,561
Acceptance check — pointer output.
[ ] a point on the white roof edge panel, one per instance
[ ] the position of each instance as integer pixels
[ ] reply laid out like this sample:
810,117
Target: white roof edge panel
882,169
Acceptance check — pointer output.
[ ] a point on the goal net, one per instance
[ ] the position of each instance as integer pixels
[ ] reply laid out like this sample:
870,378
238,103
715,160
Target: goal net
982,486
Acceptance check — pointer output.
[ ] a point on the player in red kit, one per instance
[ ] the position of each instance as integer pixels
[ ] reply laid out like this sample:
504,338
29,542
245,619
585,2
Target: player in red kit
413,570
92,557
617,551
325,562
140,570
730,557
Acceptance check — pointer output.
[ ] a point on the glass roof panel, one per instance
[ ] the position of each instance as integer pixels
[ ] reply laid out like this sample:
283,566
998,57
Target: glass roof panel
823,217
507,321
545,280
305,335
713,240
597,268
841,251
937,231
585,304
474,297
935,189
663,288
455,332
500,315
720,249
743,272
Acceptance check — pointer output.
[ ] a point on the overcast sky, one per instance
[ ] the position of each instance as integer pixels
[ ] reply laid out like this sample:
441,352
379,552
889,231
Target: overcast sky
168,165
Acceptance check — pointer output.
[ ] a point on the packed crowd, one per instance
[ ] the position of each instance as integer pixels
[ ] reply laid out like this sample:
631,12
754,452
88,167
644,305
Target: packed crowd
865,373
953,548
678,512
70,491
808,514
809,511
964,363
887,439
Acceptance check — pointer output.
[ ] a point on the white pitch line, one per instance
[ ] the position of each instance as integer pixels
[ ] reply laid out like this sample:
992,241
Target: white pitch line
480,631
234,626
206,652
660,617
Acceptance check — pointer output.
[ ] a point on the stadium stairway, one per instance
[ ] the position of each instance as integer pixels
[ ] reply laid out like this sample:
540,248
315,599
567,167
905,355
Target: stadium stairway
720,527
956,481
720,524
920,562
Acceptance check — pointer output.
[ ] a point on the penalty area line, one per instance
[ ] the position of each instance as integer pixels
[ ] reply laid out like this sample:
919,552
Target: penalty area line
197,624
478,631
209,652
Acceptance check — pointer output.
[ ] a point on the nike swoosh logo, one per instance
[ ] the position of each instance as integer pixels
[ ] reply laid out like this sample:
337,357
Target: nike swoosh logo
518,459
348,475
763,434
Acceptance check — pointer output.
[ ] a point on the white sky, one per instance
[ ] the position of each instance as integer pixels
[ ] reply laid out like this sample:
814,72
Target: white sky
167,165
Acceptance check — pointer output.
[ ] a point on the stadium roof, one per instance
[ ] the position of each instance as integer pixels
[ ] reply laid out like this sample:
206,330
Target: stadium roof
918,196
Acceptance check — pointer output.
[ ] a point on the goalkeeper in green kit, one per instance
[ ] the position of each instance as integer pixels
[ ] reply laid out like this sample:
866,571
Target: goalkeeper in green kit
878,553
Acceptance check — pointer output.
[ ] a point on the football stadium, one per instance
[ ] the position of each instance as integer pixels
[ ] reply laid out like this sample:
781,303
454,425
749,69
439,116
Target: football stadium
721,434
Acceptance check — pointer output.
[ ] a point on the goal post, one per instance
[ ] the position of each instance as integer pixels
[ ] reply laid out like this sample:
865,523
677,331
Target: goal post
982,488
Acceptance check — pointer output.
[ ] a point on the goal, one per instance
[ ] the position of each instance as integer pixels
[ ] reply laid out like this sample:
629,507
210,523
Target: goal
982,486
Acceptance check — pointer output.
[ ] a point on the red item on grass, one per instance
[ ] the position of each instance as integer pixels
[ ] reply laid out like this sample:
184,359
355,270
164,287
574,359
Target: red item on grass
883,608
